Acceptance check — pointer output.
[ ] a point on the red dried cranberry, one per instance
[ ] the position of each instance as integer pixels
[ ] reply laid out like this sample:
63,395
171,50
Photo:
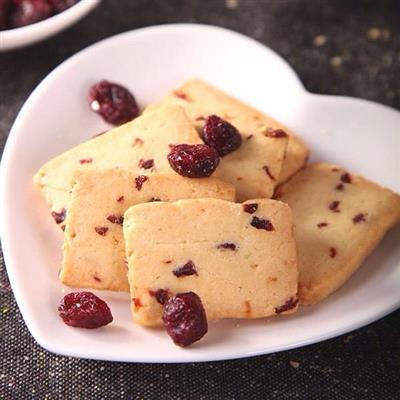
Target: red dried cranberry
359,218
101,230
332,252
228,246
193,160
221,135
345,178
249,137
334,206
4,13
267,171
340,187
322,224
261,223
250,207
154,199
137,302
84,310
59,216
86,160
275,133
146,164
184,318
290,304
61,5
116,219
120,199
161,295
137,141
185,270
139,180
113,102
181,95
27,12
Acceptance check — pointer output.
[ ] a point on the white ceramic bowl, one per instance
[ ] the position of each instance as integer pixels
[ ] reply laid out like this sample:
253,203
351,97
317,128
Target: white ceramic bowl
20,37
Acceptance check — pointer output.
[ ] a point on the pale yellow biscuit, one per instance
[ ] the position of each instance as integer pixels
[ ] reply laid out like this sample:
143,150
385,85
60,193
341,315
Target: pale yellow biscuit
339,219
146,138
241,271
94,255
200,99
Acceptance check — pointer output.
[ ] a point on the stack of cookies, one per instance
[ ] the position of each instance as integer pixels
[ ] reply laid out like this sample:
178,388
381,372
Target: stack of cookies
253,232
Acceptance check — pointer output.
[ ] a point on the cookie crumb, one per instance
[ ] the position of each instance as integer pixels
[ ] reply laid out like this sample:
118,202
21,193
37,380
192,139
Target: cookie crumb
319,40
231,4
294,364
336,61
374,33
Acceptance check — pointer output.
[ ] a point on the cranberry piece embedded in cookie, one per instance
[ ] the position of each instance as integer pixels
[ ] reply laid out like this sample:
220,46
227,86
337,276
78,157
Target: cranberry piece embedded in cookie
29,11
227,246
116,219
221,135
345,178
261,223
193,160
334,206
101,230
146,164
161,295
359,218
290,304
185,270
275,133
59,216
184,318
113,102
84,310
250,207
139,180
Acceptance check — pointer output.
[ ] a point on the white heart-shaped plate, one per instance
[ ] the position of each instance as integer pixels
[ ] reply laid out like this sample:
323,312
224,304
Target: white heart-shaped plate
360,135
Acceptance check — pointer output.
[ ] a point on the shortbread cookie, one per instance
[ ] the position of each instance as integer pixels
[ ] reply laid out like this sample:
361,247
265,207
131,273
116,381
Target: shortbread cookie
140,146
94,254
200,99
338,220
239,258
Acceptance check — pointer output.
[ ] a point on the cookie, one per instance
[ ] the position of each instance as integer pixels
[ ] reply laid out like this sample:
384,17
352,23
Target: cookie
94,254
339,219
239,258
200,99
140,146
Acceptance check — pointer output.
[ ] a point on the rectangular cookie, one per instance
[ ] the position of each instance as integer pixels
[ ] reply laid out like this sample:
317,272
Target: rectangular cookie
200,99
239,258
338,220
147,138
94,253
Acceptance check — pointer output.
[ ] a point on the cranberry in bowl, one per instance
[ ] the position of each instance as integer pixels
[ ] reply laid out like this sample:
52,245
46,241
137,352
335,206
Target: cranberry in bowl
24,22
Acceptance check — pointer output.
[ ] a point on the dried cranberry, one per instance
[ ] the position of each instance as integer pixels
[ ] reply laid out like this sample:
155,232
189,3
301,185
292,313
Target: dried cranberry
154,199
275,133
181,95
137,302
29,11
137,141
161,295
267,171
4,13
113,102
340,187
86,160
322,224
139,180
84,310
101,230
228,246
332,252
261,223
345,178
116,219
221,135
61,5
120,199
290,304
185,270
249,137
146,164
59,216
193,160
250,207
359,218
184,318
334,206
